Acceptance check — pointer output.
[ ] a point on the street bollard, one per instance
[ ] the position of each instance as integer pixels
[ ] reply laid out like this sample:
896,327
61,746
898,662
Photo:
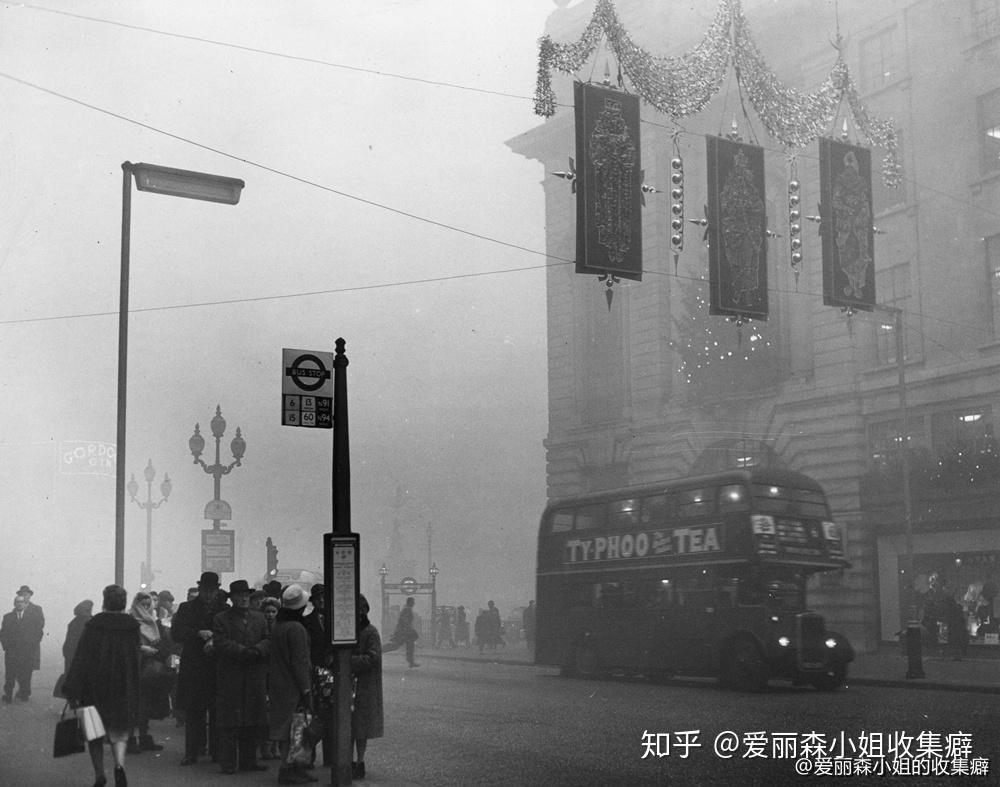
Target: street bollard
914,652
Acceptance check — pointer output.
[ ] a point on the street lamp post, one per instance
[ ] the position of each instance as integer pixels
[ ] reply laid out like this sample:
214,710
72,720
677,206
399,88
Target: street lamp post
382,574
175,183
434,571
217,507
133,488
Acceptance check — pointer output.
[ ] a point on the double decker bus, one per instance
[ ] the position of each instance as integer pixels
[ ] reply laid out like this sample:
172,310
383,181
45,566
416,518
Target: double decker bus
704,575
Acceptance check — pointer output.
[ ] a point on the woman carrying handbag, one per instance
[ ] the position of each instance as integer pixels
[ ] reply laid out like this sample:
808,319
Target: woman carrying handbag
105,674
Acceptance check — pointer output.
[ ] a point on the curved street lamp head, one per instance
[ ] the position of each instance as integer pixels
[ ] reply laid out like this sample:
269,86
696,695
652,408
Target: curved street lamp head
196,443
218,423
187,183
132,487
434,570
238,446
166,487
149,473
383,571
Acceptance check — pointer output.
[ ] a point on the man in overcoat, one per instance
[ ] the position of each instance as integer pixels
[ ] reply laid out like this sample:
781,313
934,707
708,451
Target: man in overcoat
20,636
191,627
242,650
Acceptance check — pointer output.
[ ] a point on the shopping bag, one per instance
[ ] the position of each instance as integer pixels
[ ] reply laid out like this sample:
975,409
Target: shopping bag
299,750
90,722
68,739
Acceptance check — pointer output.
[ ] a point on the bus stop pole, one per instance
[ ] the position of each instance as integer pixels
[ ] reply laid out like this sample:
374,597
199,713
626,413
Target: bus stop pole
340,761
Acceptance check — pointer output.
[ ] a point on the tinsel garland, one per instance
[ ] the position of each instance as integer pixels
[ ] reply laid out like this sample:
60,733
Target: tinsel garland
677,86
681,86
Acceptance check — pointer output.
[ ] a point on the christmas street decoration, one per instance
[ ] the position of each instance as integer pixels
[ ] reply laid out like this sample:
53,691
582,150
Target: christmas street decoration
737,230
846,225
609,184
681,86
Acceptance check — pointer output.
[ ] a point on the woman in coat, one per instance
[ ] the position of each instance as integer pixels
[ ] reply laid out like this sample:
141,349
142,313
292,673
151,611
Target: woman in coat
105,673
82,613
366,667
290,681
155,677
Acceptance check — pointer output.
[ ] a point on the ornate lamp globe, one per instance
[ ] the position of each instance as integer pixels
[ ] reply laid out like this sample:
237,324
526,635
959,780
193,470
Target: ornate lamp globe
149,473
196,443
133,487
218,423
166,487
238,446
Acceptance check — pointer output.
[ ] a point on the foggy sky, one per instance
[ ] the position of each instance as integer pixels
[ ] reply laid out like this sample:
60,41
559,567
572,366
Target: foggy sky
368,189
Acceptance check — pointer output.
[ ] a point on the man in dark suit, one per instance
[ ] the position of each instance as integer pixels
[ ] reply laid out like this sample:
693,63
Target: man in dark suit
20,636
192,629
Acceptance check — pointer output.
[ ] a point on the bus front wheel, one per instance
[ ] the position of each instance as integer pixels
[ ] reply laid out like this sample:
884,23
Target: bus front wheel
585,662
744,666
832,679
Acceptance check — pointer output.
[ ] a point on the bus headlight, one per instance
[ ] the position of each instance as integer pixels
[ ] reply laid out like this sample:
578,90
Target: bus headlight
831,643
784,641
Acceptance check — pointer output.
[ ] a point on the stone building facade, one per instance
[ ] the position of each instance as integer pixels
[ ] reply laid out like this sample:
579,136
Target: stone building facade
653,387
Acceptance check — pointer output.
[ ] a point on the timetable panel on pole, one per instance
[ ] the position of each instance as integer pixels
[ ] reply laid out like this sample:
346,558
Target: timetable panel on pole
306,389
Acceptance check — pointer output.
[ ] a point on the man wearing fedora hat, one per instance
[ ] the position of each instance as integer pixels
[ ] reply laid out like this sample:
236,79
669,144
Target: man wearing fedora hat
21,636
192,629
242,650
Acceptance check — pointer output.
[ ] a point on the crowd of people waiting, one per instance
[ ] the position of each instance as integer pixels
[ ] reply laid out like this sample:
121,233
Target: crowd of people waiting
231,667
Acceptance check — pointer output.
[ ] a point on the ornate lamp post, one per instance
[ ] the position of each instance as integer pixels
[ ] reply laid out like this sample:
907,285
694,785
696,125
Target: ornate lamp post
217,509
133,487
434,571
382,574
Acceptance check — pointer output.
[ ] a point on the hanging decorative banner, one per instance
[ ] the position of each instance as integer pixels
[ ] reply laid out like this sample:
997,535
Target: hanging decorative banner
737,230
609,182
846,225
683,85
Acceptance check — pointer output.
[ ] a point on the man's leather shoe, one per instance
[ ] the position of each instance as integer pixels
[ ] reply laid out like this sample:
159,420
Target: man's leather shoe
189,761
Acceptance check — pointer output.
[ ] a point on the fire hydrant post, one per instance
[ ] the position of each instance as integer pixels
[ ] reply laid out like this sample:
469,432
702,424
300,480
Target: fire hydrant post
914,651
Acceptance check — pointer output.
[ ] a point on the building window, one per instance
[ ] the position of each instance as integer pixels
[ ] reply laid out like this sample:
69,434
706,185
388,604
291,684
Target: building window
885,198
993,275
965,429
878,60
892,286
885,441
985,18
989,127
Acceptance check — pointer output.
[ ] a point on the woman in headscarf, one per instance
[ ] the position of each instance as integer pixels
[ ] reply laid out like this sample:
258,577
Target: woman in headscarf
153,671
366,667
290,678
82,613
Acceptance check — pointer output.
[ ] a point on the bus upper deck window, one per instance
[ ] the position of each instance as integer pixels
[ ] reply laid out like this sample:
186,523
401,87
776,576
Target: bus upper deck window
696,502
562,521
625,513
591,517
733,497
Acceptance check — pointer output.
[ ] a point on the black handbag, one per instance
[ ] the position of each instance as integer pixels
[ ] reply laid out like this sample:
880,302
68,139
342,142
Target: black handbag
68,739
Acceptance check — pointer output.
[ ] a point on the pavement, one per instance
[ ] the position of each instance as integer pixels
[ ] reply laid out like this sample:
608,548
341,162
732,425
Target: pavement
26,728
888,666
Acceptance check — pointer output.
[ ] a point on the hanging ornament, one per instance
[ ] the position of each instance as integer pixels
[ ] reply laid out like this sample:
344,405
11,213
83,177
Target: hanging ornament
794,219
677,203
848,313
570,175
609,281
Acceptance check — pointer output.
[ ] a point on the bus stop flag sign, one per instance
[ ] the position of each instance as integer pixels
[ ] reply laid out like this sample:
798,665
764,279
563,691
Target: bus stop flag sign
306,389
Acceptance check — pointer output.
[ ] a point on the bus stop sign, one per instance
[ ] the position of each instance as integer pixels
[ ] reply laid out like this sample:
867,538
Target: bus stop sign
408,585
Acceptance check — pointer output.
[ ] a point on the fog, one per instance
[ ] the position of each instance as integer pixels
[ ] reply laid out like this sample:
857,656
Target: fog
381,205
